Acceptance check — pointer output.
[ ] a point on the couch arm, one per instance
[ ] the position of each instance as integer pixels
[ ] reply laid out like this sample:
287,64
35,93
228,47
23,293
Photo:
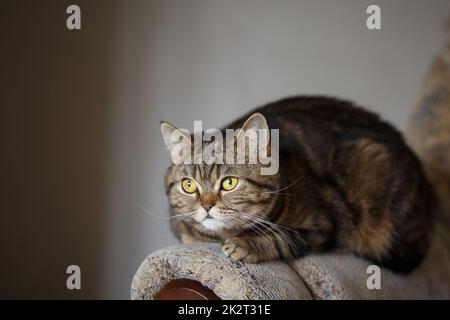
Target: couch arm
207,265
202,271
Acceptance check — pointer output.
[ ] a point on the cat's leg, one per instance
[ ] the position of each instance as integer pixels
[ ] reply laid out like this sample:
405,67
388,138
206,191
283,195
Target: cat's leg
282,243
258,248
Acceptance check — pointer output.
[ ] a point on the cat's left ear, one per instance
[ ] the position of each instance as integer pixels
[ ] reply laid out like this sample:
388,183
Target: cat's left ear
256,122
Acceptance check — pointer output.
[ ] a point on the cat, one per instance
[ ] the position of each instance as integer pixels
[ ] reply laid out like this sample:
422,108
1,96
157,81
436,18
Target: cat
347,182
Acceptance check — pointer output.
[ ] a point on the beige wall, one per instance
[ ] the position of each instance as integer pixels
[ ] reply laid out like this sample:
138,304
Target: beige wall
80,111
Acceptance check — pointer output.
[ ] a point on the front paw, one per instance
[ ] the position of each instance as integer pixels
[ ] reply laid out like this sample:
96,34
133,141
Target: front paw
240,250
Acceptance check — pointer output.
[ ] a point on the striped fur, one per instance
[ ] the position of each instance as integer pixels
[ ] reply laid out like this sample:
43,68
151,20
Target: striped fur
347,182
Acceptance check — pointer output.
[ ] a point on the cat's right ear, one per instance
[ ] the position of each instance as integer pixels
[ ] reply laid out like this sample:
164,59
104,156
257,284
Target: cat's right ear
178,141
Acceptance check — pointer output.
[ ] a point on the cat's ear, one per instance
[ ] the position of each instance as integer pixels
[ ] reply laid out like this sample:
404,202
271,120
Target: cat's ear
176,140
256,122
253,135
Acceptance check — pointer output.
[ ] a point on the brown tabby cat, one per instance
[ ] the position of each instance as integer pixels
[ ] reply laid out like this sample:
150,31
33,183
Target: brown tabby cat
347,181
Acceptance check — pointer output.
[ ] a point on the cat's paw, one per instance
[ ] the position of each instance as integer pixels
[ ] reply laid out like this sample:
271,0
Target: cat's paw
239,249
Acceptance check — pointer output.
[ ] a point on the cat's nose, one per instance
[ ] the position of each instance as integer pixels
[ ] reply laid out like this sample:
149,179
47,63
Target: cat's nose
208,200
207,206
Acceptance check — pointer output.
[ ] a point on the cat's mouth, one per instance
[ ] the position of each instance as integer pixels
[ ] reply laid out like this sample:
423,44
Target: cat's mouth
213,224
209,221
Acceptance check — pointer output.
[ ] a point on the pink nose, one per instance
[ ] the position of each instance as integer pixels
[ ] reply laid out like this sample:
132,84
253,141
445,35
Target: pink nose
207,206
208,200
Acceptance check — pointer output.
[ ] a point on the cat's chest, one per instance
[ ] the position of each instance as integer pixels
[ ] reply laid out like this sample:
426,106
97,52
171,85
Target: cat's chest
220,236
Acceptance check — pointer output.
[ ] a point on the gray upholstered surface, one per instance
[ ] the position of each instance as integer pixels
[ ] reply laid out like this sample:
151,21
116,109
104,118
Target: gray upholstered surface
326,276
229,279
335,276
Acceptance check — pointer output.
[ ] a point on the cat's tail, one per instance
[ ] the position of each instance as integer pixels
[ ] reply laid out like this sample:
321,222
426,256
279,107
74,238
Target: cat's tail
429,130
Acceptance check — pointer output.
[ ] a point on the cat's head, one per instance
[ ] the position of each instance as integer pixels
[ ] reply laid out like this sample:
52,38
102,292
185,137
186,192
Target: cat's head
219,197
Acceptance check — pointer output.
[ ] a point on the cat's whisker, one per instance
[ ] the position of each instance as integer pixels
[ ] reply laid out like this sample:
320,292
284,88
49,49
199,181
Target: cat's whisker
283,194
253,225
266,220
153,215
273,228
181,218
281,235
242,222
160,217
288,186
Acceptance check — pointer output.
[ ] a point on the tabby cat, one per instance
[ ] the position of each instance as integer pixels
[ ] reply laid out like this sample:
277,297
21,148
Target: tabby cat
347,182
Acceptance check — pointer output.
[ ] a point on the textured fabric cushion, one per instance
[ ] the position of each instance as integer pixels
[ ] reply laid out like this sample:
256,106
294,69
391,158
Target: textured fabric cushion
337,276
325,276
229,279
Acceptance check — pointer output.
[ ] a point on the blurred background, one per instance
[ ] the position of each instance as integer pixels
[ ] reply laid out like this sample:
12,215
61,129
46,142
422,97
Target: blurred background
80,111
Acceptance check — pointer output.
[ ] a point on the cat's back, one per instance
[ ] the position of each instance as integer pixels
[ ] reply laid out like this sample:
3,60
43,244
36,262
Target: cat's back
323,116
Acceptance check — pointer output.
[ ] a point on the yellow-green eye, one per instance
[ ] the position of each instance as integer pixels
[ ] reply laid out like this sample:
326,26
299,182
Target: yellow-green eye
229,183
188,185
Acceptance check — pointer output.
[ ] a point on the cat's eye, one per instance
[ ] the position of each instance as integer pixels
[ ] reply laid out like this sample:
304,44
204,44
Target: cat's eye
188,185
229,183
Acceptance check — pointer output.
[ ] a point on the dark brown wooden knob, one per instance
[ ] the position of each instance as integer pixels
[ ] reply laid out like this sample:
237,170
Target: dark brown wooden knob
185,289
